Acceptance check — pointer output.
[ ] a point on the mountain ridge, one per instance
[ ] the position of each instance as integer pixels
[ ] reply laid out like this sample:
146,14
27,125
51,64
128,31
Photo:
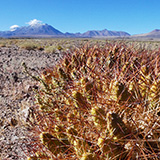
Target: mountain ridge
106,32
45,30
153,34
39,30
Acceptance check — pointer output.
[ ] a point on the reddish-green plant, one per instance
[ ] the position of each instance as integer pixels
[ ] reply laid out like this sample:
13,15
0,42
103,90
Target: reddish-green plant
99,103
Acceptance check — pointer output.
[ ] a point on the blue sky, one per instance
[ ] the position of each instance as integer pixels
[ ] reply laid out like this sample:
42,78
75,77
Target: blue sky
132,16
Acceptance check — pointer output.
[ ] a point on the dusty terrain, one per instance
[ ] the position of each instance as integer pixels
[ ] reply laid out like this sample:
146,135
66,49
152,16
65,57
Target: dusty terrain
16,89
16,96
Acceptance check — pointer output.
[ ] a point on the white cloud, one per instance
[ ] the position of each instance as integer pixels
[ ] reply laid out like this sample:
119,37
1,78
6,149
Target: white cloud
14,27
34,22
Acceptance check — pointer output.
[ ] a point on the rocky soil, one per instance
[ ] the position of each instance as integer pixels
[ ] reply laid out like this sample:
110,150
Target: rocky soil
17,96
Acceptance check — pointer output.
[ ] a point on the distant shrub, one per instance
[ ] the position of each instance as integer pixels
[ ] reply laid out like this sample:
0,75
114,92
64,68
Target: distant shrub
50,49
59,47
28,46
2,44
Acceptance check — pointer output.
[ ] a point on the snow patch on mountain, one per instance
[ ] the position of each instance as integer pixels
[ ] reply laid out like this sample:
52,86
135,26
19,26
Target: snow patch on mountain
35,22
14,27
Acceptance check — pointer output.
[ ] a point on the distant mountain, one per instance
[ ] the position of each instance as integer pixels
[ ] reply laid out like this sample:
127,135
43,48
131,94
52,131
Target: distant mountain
45,30
37,30
105,33
153,34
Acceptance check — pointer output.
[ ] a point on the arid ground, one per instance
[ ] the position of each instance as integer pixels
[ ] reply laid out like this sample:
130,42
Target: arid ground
16,96
17,91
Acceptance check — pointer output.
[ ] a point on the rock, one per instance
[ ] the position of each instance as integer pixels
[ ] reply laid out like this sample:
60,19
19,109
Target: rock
13,122
15,77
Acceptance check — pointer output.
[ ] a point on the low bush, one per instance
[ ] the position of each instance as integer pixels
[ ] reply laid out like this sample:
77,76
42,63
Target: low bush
3,44
29,46
50,49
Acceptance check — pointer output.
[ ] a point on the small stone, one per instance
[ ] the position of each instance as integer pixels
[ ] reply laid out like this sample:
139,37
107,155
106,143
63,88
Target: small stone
1,123
13,122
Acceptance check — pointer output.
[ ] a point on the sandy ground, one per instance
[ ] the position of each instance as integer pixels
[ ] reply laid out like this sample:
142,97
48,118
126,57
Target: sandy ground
17,96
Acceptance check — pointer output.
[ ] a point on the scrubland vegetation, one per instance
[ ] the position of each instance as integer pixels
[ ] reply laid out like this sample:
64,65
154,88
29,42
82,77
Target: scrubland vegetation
101,101
50,45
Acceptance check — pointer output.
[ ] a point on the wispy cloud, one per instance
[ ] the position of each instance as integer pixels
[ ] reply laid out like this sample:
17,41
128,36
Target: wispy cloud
14,27
34,22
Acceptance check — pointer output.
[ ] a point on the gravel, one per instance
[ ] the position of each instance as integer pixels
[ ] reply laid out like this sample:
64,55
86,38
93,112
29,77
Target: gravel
16,96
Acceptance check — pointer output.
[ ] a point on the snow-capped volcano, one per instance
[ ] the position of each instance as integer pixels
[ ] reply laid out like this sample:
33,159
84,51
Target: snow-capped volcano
35,28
